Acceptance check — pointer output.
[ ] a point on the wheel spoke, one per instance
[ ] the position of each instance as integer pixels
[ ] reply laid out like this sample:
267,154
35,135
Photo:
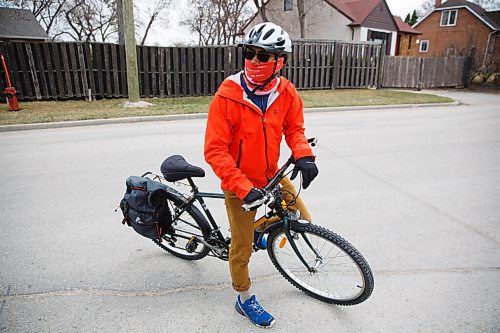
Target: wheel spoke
338,275
186,225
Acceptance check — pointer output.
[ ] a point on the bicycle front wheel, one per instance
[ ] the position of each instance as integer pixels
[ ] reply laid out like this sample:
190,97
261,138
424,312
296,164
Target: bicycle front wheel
341,274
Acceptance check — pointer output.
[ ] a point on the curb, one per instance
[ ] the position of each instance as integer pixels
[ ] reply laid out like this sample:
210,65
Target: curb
94,122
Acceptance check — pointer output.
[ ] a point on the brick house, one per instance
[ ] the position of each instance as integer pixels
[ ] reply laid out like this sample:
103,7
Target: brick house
460,28
345,20
407,36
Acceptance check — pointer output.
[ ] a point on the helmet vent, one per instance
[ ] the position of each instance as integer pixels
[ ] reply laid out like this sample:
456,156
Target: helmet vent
269,33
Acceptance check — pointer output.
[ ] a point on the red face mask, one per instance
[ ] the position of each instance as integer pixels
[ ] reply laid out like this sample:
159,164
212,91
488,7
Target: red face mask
258,73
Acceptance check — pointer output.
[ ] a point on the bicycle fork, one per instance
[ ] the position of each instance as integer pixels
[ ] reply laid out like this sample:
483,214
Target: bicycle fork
319,259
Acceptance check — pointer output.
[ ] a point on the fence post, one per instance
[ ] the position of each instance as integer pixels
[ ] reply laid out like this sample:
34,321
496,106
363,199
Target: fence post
336,64
380,67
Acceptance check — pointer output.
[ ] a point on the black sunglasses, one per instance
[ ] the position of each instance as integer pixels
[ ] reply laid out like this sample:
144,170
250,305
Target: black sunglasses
262,56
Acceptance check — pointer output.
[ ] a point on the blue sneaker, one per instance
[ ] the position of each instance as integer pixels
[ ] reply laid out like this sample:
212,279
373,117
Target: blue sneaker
253,311
261,243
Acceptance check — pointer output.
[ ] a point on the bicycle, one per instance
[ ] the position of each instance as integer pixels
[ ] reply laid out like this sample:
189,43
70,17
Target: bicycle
316,260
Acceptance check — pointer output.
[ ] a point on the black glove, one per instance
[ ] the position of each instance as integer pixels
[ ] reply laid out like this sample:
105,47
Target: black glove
254,194
308,169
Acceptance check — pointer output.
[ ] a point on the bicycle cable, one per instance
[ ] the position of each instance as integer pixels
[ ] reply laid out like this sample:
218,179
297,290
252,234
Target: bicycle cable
294,197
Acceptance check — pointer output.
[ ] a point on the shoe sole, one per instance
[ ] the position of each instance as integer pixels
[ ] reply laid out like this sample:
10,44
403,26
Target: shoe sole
240,311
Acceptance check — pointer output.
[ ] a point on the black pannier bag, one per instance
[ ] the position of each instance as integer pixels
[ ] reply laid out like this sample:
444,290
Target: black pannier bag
145,207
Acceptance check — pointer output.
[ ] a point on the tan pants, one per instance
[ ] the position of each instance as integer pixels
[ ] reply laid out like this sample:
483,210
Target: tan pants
242,229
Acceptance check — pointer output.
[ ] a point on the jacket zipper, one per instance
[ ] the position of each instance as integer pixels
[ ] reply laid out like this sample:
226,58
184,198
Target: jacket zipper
239,153
265,146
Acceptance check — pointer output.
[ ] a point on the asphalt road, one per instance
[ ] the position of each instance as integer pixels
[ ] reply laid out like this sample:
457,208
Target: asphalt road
415,190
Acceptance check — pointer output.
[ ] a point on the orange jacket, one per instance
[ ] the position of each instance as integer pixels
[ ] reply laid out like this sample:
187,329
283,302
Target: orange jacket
242,144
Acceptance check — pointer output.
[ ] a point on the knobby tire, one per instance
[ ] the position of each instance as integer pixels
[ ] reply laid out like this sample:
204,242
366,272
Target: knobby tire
344,278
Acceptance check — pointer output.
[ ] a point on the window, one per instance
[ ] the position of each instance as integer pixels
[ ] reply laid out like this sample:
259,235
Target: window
409,42
288,5
449,17
424,45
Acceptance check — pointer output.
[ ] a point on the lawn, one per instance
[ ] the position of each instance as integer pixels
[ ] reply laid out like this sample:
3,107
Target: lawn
50,111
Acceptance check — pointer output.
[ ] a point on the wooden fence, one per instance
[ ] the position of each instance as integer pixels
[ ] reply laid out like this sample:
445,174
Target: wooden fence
412,72
77,70
98,70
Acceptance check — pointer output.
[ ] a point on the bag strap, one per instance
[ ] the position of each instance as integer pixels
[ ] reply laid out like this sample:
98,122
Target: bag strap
125,215
159,231
137,188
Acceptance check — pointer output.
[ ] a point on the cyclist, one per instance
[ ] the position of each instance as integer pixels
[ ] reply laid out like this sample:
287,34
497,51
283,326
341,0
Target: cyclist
246,121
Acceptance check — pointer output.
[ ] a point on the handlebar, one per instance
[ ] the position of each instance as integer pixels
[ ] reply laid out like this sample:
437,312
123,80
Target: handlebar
269,197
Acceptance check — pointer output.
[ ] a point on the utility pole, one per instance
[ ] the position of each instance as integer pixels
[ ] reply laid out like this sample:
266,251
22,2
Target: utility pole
130,50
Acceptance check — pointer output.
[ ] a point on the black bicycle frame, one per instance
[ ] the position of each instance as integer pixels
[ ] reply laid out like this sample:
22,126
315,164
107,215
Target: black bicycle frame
198,196
273,182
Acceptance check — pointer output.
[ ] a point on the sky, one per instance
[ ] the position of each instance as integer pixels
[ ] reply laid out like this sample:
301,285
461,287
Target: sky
173,32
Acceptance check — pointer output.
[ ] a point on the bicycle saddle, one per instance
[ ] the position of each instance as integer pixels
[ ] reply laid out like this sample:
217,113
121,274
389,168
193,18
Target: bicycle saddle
175,168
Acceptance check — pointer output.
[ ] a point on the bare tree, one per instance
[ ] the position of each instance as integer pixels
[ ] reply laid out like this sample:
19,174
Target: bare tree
488,4
153,13
426,8
91,20
218,21
261,8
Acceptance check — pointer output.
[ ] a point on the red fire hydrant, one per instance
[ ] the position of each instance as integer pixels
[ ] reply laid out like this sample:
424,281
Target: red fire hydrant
10,92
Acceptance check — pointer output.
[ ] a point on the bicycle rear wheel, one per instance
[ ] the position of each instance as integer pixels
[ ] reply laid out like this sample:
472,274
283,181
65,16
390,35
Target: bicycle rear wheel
342,275
179,241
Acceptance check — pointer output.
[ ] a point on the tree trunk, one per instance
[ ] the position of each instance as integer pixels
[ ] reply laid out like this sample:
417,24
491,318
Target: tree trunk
121,23
302,18
151,20
261,8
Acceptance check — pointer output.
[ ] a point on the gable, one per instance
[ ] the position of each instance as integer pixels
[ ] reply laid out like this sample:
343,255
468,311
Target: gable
474,9
367,13
354,10
380,18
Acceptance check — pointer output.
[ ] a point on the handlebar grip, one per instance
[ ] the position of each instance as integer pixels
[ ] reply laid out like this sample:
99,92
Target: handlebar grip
255,204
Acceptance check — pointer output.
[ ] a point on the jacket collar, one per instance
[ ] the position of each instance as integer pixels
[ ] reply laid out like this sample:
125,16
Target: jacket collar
231,88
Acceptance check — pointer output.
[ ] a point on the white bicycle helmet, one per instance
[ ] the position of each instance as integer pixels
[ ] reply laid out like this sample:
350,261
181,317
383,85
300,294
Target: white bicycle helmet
270,37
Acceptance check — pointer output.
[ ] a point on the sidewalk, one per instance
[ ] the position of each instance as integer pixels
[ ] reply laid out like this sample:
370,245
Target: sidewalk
93,122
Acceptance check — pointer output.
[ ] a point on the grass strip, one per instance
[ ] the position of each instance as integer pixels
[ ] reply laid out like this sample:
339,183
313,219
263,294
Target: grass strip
52,111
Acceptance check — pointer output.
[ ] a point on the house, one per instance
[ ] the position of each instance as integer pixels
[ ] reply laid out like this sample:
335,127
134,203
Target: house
460,28
346,20
407,36
20,25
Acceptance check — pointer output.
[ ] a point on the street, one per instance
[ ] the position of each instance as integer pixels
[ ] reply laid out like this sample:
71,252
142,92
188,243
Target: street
415,190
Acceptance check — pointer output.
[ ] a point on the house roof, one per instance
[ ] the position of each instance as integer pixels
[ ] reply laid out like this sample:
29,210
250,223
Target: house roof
355,10
20,23
405,27
495,17
476,10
